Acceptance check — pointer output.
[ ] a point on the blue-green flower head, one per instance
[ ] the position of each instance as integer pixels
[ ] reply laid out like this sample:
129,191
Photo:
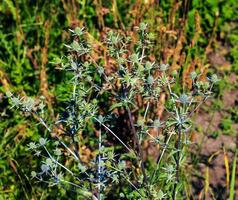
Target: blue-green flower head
164,67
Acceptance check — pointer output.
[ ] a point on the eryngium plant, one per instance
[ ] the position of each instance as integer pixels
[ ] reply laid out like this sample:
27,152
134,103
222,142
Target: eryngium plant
114,102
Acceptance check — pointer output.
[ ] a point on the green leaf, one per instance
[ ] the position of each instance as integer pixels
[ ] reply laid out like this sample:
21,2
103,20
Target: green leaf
78,31
134,58
116,105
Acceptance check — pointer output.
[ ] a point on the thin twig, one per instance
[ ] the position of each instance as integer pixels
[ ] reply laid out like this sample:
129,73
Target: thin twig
49,129
107,128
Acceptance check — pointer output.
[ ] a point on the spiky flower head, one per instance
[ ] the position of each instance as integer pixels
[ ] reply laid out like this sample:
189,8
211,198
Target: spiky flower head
164,67
184,99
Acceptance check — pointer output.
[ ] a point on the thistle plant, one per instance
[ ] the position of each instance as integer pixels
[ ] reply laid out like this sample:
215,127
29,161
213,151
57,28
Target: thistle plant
126,83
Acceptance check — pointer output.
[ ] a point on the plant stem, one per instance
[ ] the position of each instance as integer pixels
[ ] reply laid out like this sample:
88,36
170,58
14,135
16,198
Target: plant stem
99,163
110,131
55,135
140,152
75,121
177,146
136,138
137,141
161,155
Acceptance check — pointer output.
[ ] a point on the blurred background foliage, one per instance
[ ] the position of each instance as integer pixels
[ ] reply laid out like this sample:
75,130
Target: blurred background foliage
190,35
